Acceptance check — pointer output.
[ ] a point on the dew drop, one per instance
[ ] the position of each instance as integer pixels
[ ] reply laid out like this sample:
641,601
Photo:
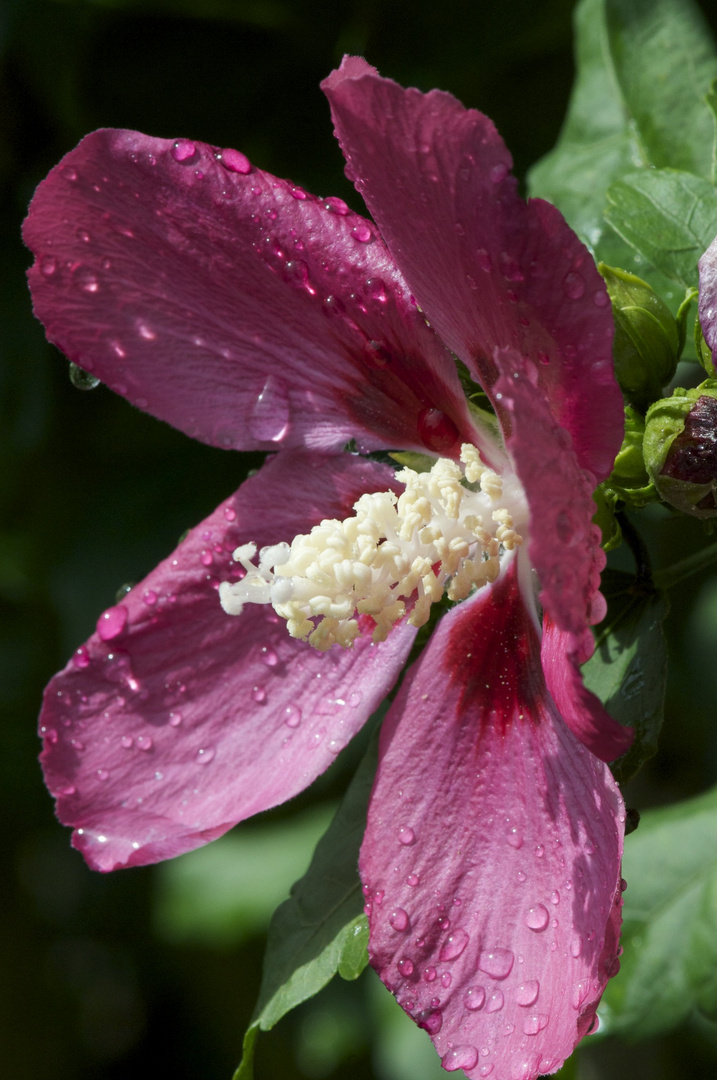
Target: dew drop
527,993
534,1024
399,920
48,265
413,880
102,774
574,286
436,430
406,835
486,1070
127,741
145,742
537,918
230,514
150,598
453,946
269,417
81,657
405,966
474,998
361,232
495,1002
292,716
269,657
431,1020
112,622
204,755
175,719
336,206
259,694
496,962
515,839
81,379
460,1057
183,151
429,974
236,162
575,947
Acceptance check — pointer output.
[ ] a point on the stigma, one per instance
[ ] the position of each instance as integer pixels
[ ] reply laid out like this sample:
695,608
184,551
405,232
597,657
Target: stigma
445,534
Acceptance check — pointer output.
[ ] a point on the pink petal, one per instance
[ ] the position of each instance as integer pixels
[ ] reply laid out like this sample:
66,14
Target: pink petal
232,304
492,855
176,720
564,544
562,654
497,272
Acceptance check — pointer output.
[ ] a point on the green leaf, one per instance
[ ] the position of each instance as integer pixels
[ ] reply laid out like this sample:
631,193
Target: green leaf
664,60
669,935
669,217
321,929
628,669
597,143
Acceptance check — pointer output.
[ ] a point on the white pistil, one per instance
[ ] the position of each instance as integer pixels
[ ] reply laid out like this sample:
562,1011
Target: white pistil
439,535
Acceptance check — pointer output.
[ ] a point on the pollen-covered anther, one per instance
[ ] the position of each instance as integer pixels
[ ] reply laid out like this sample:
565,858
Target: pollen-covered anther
392,559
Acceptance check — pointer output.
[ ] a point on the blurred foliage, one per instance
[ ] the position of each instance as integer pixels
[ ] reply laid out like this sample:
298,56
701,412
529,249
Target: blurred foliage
106,976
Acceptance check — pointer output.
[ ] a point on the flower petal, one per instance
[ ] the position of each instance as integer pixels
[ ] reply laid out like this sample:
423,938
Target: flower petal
176,720
492,864
232,304
499,272
708,296
562,654
564,544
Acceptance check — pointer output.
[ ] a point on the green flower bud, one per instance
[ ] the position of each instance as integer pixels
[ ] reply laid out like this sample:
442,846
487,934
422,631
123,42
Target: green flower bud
680,448
647,339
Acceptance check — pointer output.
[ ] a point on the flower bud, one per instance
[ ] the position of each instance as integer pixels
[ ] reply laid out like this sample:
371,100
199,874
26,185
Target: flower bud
647,340
680,448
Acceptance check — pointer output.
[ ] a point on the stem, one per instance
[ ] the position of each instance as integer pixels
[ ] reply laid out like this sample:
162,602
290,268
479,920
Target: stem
679,571
640,554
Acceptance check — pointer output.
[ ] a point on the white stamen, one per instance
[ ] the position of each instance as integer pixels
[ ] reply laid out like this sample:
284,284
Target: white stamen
396,551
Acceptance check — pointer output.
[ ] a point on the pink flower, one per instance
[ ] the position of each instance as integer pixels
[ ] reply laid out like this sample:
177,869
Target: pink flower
252,315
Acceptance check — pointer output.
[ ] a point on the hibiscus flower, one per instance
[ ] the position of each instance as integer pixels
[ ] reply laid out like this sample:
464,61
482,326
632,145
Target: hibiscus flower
250,314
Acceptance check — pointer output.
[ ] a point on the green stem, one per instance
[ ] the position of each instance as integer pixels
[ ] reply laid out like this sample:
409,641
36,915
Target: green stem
679,571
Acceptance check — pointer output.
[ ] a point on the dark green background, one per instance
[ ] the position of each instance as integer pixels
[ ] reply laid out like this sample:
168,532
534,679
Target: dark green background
93,493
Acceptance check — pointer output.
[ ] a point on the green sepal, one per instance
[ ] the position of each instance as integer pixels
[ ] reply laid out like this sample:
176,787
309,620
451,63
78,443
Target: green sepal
647,340
681,317
629,482
703,351
411,459
665,424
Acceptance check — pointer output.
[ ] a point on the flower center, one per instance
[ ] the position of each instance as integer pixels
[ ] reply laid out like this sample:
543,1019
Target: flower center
444,534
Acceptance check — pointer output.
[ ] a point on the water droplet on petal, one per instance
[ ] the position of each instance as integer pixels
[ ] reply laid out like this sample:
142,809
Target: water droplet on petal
204,755
527,993
336,206
269,417
453,946
269,656
436,430
474,998
460,1057
413,880
405,966
102,774
399,920
515,839
48,265
361,232
533,1024
292,716
431,1020
81,657
574,286
81,379
259,694
127,741
145,742
486,1070
495,1002
575,947
537,918
429,974
112,622
496,962
175,719
236,162
406,836
184,151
